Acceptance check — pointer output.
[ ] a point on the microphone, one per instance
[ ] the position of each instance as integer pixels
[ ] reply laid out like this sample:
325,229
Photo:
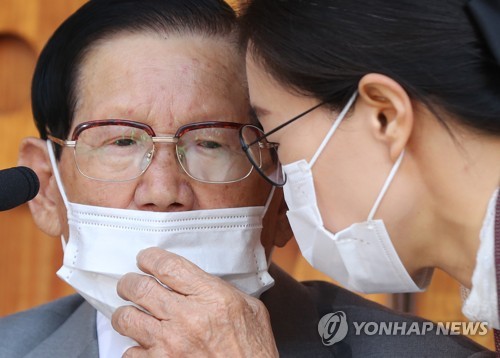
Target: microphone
17,186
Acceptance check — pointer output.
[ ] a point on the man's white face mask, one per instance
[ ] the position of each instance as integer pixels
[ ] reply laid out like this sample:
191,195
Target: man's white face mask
360,257
103,244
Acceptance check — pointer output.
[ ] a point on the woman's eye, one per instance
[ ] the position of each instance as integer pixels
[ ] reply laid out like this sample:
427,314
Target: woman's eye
209,144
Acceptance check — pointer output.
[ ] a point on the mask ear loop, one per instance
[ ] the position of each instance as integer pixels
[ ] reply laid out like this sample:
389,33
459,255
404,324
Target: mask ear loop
60,186
332,130
388,181
268,201
266,206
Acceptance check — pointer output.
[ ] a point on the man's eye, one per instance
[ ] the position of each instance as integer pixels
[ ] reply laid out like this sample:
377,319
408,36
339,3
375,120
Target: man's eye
123,142
209,144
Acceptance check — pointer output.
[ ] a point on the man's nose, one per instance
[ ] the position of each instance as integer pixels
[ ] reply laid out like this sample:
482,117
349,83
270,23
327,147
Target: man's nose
164,186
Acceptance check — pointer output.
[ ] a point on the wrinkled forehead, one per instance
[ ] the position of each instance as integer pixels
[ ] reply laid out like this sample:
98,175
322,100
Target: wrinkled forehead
152,70
207,61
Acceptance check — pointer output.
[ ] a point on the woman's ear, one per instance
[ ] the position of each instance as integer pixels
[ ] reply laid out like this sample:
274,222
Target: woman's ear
45,206
390,110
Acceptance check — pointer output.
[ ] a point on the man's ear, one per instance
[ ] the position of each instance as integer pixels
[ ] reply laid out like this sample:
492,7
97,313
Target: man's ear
390,110
45,206
283,228
277,230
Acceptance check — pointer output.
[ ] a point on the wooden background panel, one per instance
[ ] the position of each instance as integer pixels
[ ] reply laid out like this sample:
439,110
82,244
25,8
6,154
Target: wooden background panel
28,258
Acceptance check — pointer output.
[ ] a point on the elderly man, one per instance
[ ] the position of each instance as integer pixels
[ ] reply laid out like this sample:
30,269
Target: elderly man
138,104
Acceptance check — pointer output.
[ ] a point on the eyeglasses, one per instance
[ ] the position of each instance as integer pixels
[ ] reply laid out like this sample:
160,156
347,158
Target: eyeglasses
263,154
120,150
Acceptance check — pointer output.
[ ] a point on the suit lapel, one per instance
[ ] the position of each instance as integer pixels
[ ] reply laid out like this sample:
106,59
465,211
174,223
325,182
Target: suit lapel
294,317
76,337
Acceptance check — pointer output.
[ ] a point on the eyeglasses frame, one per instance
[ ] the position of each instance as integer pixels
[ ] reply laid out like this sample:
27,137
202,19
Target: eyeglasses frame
173,139
268,144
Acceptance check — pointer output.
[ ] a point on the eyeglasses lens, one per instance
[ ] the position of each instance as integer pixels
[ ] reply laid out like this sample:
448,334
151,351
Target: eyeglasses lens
113,152
213,155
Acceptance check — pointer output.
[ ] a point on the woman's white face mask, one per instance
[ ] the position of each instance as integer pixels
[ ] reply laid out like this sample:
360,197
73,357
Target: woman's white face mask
360,257
103,244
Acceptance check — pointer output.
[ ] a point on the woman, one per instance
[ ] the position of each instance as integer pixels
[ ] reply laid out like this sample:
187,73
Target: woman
391,159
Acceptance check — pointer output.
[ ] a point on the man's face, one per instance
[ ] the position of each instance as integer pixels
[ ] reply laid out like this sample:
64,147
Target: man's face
165,83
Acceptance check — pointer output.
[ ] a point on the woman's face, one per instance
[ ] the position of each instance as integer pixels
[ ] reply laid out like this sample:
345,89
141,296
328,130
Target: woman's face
165,83
348,160
352,168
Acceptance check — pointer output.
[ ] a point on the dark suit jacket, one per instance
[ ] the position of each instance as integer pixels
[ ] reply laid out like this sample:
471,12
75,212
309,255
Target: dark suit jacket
67,327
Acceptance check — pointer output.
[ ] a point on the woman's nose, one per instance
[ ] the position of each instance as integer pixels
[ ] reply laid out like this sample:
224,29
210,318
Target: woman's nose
164,186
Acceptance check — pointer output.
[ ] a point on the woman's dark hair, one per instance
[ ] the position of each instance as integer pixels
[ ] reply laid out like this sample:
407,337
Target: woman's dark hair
322,48
54,81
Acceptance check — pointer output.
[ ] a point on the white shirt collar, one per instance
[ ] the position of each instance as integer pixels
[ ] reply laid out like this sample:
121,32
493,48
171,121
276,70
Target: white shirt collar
111,343
481,304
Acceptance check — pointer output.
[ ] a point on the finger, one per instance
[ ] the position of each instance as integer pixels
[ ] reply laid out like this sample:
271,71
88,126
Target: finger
148,293
178,273
131,322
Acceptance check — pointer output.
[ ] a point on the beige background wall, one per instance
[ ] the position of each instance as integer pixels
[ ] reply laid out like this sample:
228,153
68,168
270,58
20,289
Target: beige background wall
28,258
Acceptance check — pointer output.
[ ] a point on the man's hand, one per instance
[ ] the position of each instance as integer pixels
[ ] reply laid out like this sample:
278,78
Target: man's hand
200,316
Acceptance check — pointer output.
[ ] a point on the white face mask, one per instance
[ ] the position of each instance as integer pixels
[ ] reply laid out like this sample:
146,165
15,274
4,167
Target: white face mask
360,257
103,244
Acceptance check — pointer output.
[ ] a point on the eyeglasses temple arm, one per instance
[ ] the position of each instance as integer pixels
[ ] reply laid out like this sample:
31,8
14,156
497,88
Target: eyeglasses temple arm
286,123
63,143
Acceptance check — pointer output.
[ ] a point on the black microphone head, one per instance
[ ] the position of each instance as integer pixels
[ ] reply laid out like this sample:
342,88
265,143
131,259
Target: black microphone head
17,186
